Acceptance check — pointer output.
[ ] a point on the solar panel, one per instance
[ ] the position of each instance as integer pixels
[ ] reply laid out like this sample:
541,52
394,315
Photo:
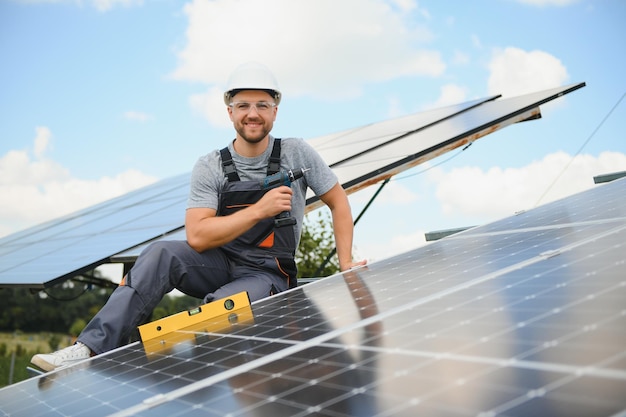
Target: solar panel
369,154
45,255
56,250
524,316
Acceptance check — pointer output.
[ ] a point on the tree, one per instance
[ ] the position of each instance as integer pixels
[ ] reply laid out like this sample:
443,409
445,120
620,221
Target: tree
54,341
316,243
77,327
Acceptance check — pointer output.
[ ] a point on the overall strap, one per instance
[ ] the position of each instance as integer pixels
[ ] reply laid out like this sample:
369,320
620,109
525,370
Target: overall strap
229,165
274,166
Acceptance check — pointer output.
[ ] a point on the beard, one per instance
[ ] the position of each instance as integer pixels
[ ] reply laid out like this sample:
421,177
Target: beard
253,135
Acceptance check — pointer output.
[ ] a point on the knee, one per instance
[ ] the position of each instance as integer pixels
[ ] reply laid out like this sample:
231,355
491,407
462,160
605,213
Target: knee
159,267
161,258
162,248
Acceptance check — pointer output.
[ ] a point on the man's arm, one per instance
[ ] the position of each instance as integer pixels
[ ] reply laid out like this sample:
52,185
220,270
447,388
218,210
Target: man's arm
205,230
343,227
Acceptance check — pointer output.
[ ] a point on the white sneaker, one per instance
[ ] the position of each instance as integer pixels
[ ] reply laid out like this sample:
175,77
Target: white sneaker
64,357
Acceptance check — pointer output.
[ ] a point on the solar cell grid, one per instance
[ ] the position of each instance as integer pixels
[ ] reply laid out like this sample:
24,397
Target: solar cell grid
527,319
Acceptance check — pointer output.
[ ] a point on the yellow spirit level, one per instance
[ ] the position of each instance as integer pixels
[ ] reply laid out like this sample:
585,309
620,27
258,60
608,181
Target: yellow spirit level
186,337
205,312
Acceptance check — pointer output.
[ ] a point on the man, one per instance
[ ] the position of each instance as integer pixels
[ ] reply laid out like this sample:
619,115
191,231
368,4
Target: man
240,236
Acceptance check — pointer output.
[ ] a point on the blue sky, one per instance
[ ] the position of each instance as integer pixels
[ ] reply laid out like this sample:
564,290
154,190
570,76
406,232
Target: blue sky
100,97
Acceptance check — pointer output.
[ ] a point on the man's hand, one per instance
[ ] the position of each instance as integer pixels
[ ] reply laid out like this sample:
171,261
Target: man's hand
274,202
353,264
205,230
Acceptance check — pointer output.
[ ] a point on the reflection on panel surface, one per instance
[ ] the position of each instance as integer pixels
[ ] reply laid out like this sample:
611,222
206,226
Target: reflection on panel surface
525,316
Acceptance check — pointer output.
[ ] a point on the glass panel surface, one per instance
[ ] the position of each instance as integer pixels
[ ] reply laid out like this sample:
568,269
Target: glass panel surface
497,322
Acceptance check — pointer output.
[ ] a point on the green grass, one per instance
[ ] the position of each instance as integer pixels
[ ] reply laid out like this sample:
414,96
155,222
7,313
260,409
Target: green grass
25,345
19,369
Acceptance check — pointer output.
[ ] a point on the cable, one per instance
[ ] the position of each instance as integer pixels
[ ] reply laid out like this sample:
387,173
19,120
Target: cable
580,149
443,161
72,298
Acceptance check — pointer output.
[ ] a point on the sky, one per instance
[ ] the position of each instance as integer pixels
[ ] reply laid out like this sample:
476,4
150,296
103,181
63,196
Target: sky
101,97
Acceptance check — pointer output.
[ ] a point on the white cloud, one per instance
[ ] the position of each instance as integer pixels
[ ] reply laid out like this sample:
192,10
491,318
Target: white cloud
38,189
137,116
394,193
476,42
514,72
17,168
211,106
42,140
106,5
496,192
449,94
405,5
394,108
377,250
319,48
460,58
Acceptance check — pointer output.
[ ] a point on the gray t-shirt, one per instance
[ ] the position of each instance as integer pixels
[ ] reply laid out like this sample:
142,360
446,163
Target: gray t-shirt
207,177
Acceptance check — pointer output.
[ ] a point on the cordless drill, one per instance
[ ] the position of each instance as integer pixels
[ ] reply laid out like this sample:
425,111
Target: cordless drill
278,179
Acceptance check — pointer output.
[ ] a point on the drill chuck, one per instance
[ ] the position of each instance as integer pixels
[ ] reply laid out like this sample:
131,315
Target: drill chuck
282,178
296,174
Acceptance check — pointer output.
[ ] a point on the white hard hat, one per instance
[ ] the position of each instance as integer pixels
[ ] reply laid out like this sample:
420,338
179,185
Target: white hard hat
252,76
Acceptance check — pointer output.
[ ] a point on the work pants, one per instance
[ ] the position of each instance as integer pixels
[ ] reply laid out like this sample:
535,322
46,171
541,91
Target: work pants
162,267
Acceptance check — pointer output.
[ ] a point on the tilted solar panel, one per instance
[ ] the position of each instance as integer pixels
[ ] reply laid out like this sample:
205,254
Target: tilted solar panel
58,250
521,317
369,154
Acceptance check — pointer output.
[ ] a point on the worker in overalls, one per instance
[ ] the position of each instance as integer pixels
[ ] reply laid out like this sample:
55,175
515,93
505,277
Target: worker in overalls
241,235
